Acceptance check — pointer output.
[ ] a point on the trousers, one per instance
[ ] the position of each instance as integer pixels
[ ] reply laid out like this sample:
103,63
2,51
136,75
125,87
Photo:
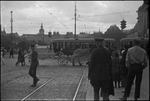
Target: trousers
32,71
104,85
135,70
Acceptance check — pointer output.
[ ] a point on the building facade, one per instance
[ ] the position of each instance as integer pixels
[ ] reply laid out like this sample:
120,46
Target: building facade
39,38
142,26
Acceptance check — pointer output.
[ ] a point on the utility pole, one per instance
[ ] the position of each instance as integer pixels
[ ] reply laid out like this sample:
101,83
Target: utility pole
11,20
11,36
75,22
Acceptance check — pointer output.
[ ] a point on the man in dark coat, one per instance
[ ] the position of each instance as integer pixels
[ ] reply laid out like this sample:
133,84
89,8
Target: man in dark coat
33,66
100,71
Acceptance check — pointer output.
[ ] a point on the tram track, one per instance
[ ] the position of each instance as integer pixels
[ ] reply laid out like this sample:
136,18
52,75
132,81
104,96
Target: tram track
74,98
41,86
19,75
50,80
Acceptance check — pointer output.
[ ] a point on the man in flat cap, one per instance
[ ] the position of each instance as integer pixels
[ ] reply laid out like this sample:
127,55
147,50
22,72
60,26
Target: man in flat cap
100,70
136,61
34,64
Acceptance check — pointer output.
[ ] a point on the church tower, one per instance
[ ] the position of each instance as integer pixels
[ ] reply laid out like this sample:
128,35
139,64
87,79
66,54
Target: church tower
41,31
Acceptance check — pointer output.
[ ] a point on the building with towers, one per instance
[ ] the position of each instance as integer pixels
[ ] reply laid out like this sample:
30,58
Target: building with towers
39,38
41,31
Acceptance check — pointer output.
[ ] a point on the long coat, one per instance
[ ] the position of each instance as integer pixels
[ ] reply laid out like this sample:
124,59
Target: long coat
100,67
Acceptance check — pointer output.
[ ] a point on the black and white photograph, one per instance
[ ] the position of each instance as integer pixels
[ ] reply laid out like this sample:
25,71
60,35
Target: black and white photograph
94,50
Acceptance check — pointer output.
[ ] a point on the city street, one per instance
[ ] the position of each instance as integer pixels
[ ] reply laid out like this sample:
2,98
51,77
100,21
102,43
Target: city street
65,38
56,82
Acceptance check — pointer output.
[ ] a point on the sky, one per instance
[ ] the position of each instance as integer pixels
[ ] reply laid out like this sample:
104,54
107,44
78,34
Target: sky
59,15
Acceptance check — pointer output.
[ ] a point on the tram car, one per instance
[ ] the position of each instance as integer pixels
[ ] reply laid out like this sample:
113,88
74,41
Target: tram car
130,42
77,49
72,44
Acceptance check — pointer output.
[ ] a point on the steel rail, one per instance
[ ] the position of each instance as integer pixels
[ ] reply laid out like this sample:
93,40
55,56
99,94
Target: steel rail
78,86
41,86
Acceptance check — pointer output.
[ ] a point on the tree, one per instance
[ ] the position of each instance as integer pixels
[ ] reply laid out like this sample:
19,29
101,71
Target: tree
50,34
56,34
97,34
24,44
69,34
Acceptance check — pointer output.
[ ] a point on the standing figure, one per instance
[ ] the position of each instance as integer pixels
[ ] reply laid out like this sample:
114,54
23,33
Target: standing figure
2,60
3,52
20,58
11,53
33,66
124,70
116,69
100,70
136,61
23,57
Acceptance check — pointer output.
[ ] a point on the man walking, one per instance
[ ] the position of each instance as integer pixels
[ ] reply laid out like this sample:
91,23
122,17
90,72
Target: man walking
136,61
100,70
34,64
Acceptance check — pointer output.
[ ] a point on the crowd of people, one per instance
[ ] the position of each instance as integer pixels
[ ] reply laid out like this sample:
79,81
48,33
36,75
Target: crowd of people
116,68
108,69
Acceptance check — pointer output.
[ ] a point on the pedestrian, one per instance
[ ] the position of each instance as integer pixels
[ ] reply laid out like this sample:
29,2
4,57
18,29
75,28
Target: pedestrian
34,64
100,70
20,58
11,53
136,61
23,57
116,67
2,60
124,70
3,52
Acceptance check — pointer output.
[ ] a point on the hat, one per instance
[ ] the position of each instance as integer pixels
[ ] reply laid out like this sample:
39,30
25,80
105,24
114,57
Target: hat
99,39
137,39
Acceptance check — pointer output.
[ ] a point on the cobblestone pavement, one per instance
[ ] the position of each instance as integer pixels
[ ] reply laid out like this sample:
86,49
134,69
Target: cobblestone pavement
15,81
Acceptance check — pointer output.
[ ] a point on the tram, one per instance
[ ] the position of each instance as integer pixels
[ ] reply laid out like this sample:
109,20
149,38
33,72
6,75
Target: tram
130,42
83,43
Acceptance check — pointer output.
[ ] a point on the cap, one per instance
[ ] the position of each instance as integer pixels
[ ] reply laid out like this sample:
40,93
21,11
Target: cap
99,39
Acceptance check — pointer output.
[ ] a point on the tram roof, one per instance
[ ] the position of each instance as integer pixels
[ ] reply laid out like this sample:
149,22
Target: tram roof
82,39
131,39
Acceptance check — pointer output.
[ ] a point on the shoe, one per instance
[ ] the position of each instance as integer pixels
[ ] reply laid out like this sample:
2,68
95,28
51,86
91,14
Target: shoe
36,81
123,99
33,85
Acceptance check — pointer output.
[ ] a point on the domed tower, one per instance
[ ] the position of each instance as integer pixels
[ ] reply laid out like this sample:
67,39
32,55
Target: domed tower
41,31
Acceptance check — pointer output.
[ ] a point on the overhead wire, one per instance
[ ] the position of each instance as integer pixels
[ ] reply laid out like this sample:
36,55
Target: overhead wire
51,14
107,14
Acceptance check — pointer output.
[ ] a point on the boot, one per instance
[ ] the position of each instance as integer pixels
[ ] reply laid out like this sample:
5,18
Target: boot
34,82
